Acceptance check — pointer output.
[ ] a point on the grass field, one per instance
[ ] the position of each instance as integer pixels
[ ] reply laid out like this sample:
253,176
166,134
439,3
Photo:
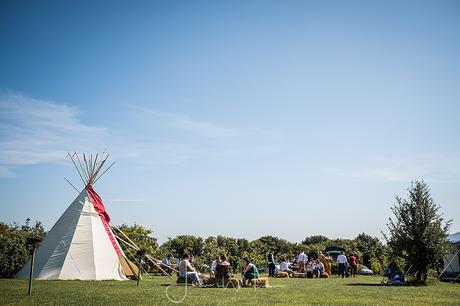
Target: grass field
363,290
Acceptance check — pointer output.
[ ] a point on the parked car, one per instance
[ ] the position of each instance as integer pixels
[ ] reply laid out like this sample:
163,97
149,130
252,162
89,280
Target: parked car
334,252
363,270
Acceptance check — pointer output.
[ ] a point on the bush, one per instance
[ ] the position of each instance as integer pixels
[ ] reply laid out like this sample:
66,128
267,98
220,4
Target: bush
376,266
13,255
334,267
14,251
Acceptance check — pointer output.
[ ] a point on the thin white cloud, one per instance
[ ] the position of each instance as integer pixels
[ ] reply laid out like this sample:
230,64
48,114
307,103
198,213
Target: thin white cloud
201,128
186,124
39,114
430,167
36,131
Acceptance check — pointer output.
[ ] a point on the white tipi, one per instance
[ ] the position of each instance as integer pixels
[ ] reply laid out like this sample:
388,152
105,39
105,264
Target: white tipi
81,244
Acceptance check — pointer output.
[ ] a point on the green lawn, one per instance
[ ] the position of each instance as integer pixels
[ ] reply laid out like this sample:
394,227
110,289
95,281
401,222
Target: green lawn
363,290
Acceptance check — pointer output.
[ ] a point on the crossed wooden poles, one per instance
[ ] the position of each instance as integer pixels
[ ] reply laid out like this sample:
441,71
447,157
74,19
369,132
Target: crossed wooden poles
129,243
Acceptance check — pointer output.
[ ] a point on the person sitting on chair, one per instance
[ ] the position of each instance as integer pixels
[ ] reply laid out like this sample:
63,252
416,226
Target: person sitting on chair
223,269
166,264
192,260
214,266
250,272
284,267
318,268
187,271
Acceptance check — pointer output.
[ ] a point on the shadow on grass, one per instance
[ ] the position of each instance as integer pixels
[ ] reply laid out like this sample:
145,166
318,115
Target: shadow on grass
385,285
369,285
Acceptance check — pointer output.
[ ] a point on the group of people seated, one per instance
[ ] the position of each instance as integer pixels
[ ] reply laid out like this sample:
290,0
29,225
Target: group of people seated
220,272
311,267
221,269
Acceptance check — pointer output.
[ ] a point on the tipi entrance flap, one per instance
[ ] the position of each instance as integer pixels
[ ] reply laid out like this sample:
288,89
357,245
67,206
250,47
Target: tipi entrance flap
106,258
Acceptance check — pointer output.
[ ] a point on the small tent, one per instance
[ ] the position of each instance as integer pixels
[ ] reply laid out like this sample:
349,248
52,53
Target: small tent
81,244
451,260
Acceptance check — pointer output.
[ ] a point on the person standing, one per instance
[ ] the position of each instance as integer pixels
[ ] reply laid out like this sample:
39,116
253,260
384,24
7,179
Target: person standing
342,262
326,260
271,264
302,260
354,264
328,265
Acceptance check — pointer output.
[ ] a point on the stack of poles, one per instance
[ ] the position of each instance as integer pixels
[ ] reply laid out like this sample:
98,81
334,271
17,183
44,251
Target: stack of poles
89,168
157,263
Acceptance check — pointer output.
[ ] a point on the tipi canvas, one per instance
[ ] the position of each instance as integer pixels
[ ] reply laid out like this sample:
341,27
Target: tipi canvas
81,245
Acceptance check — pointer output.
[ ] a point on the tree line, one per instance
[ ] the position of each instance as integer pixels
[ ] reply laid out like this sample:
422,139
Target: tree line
15,252
417,240
372,252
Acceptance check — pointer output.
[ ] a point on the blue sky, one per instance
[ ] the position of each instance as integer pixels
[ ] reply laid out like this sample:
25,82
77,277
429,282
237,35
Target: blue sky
293,117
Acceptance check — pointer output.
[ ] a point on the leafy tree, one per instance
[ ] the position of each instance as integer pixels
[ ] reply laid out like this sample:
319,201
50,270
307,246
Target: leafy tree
300,247
210,248
315,239
265,244
368,248
243,245
418,232
14,251
183,244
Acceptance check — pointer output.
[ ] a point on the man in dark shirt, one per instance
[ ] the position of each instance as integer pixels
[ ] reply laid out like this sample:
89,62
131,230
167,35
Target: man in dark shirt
271,264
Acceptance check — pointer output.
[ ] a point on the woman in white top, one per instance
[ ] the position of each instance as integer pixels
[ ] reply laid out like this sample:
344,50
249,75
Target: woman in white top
214,266
284,267
186,270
